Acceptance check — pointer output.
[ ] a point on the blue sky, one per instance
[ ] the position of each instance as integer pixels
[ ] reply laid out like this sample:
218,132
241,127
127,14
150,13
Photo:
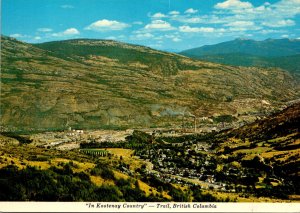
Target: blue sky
160,24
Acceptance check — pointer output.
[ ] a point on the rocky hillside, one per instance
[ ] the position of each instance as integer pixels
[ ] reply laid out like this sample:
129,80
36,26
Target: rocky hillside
106,84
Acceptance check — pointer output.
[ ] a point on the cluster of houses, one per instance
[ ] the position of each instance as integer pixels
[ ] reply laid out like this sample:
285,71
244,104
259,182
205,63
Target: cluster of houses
170,176
180,164
192,162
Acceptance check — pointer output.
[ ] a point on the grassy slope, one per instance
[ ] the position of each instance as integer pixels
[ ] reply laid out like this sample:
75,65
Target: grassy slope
28,155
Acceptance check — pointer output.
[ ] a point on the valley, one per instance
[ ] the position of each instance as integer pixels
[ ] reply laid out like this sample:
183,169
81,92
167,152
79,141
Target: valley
109,121
241,164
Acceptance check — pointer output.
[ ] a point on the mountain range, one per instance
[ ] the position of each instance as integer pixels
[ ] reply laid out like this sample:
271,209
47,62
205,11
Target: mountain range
86,83
283,53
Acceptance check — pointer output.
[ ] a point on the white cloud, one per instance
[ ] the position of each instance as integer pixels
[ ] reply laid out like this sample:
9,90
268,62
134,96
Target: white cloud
111,38
67,6
155,45
191,11
67,32
17,35
241,29
280,23
267,3
71,31
188,29
213,19
143,36
281,10
138,23
191,20
158,15
174,13
233,4
194,20
269,31
241,15
240,24
285,36
159,25
170,36
44,30
287,8
106,25
37,38
176,39
158,38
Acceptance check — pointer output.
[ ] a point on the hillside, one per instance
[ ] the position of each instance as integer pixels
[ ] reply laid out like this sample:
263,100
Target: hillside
282,53
270,146
278,125
106,84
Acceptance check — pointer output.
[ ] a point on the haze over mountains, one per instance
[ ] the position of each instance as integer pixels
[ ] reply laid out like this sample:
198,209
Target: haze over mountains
283,53
97,84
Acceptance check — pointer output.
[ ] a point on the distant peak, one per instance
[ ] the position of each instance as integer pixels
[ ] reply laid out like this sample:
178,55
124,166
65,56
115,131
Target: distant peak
269,39
294,39
243,39
283,40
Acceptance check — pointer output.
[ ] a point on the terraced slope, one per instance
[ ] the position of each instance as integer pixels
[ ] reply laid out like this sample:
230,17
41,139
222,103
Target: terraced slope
106,84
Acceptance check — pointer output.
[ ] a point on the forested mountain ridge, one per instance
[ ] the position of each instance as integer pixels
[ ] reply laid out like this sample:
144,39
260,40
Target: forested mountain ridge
282,53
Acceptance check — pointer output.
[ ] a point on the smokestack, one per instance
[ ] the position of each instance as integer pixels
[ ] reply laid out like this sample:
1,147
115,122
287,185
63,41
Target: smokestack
195,124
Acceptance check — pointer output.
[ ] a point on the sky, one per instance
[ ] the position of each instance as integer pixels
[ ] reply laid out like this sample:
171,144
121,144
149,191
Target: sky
172,25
